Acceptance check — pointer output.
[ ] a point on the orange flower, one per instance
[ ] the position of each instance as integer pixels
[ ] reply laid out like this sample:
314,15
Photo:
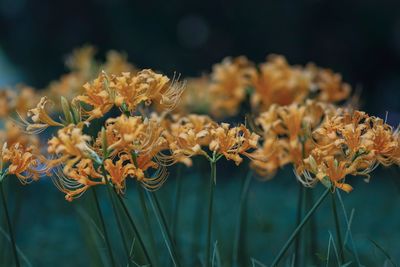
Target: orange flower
132,134
146,86
23,162
349,143
290,127
229,81
70,146
328,85
98,96
76,180
187,135
39,117
232,142
279,83
118,172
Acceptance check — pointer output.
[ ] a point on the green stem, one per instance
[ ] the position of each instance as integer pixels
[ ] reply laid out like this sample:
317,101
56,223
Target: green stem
163,226
103,226
298,220
348,228
134,228
10,229
312,228
117,216
147,219
299,228
175,217
213,177
338,233
243,197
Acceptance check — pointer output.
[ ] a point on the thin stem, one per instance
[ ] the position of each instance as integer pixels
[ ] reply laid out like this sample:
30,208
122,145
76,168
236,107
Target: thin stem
117,217
299,228
348,228
10,229
312,228
163,226
298,220
210,210
147,219
134,228
103,226
243,197
175,217
338,232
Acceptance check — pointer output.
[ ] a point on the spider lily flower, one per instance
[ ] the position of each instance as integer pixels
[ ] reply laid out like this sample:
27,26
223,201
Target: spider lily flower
187,136
23,162
133,147
327,85
118,172
279,83
134,166
39,117
229,81
75,180
70,146
98,96
233,142
268,158
349,143
127,134
290,129
74,165
146,87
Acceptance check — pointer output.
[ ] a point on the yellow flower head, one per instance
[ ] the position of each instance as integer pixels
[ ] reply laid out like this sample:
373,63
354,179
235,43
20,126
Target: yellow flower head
70,146
327,85
232,142
76,180
145,87
135,167
23,162
98,96
229,81
188,135
133,134
38,118
279,83
349,143
290,129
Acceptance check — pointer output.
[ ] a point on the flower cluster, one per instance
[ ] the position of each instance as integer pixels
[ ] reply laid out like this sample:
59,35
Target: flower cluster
117,124
193,134
235,81
349,143
286,135
127,92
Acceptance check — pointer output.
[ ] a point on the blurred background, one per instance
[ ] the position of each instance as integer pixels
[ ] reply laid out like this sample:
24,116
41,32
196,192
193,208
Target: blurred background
359,39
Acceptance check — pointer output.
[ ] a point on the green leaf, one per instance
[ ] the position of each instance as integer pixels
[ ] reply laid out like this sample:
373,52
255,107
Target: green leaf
387,255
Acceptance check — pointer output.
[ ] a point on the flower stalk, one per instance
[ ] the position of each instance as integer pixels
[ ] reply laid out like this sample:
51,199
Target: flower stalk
10,228
103,226
213,178
155,205
299,228
238,231
338,232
